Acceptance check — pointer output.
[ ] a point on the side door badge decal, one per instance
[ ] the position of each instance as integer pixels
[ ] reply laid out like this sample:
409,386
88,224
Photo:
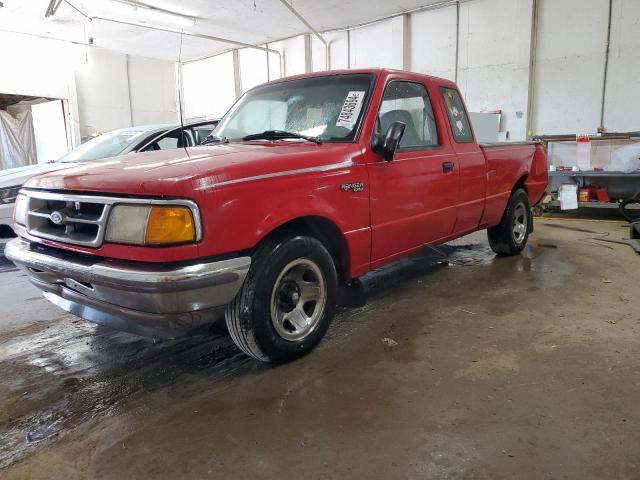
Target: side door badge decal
354,187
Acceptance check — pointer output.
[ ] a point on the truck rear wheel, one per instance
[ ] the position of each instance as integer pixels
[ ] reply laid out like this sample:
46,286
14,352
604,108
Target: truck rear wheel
510,236
287,301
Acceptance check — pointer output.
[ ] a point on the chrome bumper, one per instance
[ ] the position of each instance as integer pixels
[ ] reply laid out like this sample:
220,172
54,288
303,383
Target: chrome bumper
144,298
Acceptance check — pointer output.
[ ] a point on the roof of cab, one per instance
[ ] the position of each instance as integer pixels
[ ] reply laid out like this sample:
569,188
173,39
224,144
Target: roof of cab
379,72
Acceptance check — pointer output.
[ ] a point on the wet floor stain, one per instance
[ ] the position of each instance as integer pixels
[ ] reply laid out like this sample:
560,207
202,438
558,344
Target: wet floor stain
61,374
72,372
64,373
6,265
460,365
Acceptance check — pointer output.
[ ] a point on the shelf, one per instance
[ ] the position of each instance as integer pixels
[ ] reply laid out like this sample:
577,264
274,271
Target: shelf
633,206
593,174
571,137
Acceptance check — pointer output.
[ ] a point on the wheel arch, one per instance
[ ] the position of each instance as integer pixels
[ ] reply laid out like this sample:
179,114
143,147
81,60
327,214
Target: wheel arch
521,183
324,230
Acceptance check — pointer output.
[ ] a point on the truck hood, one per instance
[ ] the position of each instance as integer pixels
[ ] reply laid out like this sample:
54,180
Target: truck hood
17,176
177,173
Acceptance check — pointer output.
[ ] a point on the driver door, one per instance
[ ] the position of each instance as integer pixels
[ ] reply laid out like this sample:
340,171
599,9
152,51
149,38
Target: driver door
414,196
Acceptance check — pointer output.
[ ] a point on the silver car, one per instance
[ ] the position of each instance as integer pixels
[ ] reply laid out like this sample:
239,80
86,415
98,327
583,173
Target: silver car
118,142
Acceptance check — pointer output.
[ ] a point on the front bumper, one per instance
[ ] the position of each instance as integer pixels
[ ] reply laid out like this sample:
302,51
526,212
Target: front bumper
143,298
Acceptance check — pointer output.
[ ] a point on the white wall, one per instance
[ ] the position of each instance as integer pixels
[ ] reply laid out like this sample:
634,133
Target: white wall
371,46
569,65
622,109
92,81
31,66
257,67
208,86
103,93
318,55
42,68
339,53
494,59
433,42
153,91
110,98
276,68
493,66
253,68
493,73
293,55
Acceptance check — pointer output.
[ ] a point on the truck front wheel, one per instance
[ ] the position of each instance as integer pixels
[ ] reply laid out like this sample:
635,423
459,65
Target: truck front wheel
287,301
510,236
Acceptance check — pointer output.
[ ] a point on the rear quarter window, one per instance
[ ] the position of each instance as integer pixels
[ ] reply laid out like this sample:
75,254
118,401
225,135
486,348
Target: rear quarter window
458,119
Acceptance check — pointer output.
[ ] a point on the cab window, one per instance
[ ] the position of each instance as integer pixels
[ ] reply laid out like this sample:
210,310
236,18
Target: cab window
457,115
409,103
202,131
174,139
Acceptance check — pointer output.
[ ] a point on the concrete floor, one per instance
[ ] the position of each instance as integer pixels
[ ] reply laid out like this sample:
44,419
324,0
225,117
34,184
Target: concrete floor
498,368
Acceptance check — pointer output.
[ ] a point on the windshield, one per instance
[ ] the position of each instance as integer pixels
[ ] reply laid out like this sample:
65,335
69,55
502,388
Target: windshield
106,145
329,108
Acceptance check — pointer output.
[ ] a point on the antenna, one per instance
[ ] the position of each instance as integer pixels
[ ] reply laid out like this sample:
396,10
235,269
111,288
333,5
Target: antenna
182,136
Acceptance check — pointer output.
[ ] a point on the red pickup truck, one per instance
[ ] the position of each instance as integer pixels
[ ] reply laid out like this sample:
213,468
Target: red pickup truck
307,183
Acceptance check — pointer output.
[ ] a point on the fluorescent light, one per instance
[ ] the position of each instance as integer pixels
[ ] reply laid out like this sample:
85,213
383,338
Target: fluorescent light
145,14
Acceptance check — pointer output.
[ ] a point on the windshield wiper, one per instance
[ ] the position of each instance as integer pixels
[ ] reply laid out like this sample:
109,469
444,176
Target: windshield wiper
280,134
214,139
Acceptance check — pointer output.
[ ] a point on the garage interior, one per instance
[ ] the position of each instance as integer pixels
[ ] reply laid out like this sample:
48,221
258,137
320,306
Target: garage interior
460,365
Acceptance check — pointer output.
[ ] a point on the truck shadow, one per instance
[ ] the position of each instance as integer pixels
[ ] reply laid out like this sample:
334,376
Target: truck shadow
432,259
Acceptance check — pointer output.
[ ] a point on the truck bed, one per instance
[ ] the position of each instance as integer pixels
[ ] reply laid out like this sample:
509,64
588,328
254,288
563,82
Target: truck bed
506,161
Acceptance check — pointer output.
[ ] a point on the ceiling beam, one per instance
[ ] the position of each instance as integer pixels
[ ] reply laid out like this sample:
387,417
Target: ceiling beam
46,37
52,8
77,9
138,4
311,29
424,8
187,34
163,29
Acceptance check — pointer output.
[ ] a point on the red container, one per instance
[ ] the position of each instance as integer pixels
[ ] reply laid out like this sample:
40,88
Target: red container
587,194
603,195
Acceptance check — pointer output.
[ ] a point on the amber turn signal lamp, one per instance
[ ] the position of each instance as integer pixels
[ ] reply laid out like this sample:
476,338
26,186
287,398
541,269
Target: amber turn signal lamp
169,225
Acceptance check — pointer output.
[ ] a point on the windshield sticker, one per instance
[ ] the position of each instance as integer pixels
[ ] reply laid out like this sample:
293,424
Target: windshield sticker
350,110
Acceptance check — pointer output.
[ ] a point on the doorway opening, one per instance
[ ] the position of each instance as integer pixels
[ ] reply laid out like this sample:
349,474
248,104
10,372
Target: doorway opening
32,130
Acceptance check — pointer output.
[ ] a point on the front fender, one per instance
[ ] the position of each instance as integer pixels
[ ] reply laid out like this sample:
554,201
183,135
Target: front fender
237,217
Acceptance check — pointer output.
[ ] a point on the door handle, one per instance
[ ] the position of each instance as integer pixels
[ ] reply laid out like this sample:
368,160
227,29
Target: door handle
447,166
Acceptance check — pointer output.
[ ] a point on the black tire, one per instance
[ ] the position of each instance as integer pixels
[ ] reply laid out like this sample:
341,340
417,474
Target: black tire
626,214
249,317
510,236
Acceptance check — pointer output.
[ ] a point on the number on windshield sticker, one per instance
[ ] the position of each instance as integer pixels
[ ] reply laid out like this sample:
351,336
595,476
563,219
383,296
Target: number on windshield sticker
350,110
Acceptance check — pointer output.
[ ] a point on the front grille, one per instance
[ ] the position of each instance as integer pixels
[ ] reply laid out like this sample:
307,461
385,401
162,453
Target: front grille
82,219
76,219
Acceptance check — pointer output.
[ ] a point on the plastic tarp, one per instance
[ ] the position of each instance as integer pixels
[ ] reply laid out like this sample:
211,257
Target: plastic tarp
17,140
626,159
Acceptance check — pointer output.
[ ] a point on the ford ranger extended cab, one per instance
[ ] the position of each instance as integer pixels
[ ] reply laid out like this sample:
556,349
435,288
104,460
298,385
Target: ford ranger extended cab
307,183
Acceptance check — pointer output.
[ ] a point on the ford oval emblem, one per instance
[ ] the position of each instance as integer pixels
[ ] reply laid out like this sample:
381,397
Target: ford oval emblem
57,218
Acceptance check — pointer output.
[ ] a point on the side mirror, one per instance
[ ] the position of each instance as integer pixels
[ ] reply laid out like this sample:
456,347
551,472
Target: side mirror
392,140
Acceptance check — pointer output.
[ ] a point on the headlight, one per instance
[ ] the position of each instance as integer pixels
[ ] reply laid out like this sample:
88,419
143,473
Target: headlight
8,195
151,225
20,210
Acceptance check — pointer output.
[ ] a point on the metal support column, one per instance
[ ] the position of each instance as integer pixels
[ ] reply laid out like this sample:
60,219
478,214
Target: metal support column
308,54
533,53
237,79
606,67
